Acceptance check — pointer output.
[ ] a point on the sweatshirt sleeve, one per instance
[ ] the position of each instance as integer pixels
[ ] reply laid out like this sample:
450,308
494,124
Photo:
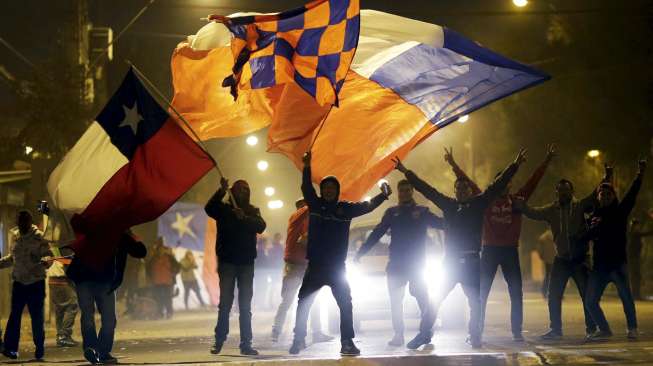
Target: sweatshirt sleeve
310,196
427,191
255,222
629,200
527,190
536,213
376,234
499,184
460,174
355,209
215,208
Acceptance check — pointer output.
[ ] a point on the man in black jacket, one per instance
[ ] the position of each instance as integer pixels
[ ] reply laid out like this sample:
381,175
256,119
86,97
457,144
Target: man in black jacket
97,289
328,241
608,232
236,250
408,223
463,225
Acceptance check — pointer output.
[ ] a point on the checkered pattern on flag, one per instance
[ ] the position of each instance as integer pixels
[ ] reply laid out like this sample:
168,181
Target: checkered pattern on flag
312,46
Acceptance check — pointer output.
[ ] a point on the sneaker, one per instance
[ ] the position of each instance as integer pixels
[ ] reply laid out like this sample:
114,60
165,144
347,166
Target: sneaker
321,338
10,354
632,334
396,341
552,335
518,337
216,348
67,342
297,346
91,356
419,340
248,351
599,335
108,359
349,348
39,353
475,342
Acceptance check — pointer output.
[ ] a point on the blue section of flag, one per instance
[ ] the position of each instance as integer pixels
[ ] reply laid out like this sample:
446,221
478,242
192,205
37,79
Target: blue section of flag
445,83
183,226
131,94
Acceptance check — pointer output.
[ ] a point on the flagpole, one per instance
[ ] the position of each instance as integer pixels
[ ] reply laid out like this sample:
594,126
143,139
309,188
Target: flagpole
198,141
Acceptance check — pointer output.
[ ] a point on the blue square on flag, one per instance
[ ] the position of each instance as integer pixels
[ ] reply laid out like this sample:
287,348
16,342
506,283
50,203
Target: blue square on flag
184,226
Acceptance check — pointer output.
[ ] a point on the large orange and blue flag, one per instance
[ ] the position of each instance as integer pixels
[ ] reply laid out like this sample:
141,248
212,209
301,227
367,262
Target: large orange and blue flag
312,46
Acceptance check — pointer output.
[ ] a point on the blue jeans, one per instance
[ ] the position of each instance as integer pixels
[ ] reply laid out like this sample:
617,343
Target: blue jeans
508,258
90,295
598,280
562,270
232,275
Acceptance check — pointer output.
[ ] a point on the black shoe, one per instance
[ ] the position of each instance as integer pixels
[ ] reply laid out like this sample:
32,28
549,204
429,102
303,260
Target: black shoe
216,348
91,356
599,335
419,340
396,341
297,346
349,348
66,342
10,354
321,338
248,351
552,335
39,353
475,342
108,359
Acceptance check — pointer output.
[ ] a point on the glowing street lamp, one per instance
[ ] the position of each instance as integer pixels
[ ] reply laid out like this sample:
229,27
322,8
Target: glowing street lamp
463,119
520,3
262,165
593,154
269,191
275,205
252,140
28,150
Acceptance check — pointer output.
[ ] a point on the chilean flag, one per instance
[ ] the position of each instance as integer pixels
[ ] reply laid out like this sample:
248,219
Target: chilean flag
129,167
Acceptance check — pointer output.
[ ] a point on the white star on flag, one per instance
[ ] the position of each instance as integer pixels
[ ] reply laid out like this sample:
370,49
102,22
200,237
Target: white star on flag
181,224
132,118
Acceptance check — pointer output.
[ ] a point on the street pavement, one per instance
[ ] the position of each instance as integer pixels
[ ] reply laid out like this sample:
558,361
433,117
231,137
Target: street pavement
186,338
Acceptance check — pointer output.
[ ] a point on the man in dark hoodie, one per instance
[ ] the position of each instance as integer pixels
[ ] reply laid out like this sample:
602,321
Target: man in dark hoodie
96,288
328,241
608,232
238,226
463,225
408,223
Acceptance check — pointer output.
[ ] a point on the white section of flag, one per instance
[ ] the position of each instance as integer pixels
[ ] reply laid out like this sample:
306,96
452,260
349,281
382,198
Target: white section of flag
84,170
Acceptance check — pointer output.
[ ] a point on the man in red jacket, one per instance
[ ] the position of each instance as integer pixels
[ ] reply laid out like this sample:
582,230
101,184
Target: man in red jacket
501,232
295,267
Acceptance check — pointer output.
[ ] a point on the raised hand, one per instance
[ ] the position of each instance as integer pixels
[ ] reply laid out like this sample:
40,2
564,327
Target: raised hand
609,170
306,159
521,157
642,165
399,165
448,156
386,189
224,183
551,152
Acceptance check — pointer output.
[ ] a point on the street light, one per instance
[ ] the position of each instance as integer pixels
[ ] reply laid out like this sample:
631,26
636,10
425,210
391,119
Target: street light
593,154
28,150
463,119
520,3
262,165
252,140
276,204
269,191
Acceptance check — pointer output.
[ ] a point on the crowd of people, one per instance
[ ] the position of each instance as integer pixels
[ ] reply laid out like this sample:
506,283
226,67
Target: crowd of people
482,230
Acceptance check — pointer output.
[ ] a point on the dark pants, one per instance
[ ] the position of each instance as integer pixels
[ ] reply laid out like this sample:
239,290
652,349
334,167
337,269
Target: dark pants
547,279
397,281
466,270
314,279
508,259
232,275
64,302
598,280
32,295
292,279
635,273
562,270
194,287
90,295
163,296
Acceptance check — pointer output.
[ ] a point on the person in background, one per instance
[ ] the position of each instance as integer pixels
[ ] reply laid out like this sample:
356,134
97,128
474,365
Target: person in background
636,233
239,223
64,301
28,254
188,267
97,289
547,253
566,219
295,267
261,274
163,268
275,262
608,232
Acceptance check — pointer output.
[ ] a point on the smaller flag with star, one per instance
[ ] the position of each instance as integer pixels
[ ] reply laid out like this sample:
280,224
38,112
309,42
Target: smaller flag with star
184,226
129,167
